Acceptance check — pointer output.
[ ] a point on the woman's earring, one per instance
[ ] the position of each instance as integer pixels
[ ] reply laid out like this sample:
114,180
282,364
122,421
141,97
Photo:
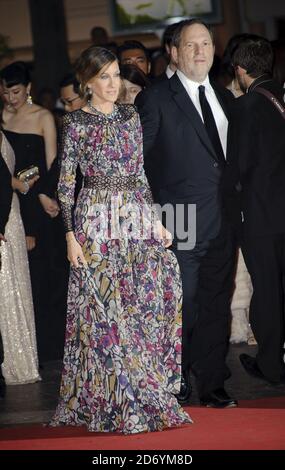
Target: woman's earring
29,99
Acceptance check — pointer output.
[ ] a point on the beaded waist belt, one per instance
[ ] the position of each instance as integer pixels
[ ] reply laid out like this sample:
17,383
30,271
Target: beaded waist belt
112,183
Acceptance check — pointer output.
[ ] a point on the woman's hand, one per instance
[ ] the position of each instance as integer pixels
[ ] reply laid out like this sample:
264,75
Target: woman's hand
30,242
21,186
74,251
163,234
49,205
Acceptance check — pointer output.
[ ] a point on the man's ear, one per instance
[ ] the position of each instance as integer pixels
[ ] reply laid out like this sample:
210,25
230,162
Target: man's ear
174,53
240,70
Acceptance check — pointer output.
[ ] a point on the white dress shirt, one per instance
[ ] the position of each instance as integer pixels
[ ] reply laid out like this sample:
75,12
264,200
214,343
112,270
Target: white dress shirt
192,89
169,72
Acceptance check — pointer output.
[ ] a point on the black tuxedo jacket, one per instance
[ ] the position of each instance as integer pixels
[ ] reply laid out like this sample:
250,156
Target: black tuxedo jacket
260,146
6,193
180,161
159,78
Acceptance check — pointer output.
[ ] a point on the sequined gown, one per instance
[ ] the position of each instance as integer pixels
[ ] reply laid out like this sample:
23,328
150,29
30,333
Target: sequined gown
17,324
123,336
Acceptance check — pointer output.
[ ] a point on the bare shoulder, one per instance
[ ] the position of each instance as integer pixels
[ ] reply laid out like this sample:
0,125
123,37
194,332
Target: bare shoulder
44,114
45,120
40,113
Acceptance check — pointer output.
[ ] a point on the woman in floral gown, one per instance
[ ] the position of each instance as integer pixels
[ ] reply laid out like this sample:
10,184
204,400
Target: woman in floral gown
123,336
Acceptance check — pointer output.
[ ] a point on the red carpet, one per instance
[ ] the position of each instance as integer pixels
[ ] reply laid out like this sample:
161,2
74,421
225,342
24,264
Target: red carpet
256,424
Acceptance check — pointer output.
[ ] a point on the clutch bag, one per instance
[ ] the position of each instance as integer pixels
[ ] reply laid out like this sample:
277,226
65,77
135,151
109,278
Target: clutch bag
28,173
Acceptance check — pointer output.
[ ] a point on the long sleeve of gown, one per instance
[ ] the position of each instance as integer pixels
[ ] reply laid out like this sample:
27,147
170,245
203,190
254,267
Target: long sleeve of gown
68,165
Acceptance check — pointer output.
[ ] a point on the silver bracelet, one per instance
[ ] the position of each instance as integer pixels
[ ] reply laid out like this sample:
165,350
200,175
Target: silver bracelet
27,187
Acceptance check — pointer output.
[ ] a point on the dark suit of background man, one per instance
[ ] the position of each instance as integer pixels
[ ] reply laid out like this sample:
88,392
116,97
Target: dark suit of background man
5,207
185,162
261,155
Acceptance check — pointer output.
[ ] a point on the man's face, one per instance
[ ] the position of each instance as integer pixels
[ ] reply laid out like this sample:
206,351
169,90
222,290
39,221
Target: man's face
136,57
195,53
70,99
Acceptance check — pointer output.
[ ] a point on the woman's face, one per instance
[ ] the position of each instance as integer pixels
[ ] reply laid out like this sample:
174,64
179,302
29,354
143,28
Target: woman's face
105,85
16,96
131,91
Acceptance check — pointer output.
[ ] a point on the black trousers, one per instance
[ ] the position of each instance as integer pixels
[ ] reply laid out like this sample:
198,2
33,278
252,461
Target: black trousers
265,261
208,280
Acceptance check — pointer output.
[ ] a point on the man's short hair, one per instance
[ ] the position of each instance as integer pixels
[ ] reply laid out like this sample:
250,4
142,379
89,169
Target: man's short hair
131,45
168,34
255,55
184,24
70,79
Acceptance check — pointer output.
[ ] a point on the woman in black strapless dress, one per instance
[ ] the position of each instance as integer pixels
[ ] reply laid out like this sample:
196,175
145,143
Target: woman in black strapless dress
30,129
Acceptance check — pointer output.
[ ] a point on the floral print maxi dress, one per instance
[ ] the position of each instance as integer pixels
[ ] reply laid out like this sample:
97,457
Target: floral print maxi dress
123,336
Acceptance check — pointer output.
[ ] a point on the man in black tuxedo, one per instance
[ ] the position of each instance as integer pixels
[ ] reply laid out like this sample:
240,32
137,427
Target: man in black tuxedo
260,148
185,125
5,207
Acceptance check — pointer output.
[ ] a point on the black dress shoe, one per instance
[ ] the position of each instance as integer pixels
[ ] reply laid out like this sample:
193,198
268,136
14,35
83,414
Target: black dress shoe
185,389
218,399
250,365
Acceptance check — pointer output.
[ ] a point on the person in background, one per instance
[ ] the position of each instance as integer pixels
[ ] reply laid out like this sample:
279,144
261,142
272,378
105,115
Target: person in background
100,37
134,52
260,143
71,100
227,76
122,350
17,323
240,327
69,93
133,82
31,132
167,44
